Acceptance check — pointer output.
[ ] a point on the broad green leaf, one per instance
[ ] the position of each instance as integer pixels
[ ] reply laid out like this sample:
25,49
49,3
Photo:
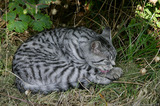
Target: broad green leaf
18,26
10,16
157,11
148,12
13,5
11,26
25,18
19,10
147,17
20,2
157,15
28,6
155,19
46,20
41,21
149,5
31,9
142,14
37,26
38,16
32,1
158,24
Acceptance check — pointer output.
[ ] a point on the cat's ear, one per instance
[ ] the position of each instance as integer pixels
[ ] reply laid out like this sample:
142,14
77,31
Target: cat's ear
95,47
107,33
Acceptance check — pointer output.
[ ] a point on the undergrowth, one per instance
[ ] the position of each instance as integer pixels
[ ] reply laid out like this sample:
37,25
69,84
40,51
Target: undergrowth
134,38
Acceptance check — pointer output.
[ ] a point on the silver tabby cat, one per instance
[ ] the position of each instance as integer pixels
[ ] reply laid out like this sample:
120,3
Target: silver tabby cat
64,58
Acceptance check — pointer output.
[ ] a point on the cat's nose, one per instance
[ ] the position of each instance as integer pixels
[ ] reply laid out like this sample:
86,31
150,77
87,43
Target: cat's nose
113,63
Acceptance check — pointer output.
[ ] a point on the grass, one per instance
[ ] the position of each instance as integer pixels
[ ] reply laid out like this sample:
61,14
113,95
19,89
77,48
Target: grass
136,47
132,88
139,43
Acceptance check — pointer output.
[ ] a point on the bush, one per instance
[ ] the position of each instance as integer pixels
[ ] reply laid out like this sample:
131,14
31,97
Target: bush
24,14
150,11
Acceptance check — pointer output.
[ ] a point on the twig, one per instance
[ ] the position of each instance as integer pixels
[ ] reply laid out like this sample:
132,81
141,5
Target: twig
17,99
148,64
18,77
77,10
118,9
75,19
153,58
100,9
135,83
7,40
84,86
104,19
93,21
60,99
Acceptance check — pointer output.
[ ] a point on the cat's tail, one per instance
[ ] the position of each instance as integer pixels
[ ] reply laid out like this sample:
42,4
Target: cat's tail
24,86
35,88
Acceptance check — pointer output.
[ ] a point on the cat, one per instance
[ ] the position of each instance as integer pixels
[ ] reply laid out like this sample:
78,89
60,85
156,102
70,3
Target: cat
64,58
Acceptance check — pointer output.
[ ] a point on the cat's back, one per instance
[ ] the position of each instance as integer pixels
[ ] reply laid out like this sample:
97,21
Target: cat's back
51,45
47,45
40,48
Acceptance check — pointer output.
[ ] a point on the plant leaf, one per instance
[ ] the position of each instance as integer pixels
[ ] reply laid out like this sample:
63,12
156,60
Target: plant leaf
20,2
158,24
10,16
18,26
32,1
42,6
12,5
45,1
10,25
46,20
19,10
25,18
30,9
41,21
37,26
148,12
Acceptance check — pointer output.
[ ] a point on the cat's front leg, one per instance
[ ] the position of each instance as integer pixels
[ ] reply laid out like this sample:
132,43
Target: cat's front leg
114,73
99,79
108,77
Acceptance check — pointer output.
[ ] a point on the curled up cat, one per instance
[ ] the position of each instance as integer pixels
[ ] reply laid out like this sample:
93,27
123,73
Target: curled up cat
64,58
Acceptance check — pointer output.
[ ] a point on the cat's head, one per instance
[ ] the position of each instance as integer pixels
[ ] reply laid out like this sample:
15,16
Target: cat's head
99,52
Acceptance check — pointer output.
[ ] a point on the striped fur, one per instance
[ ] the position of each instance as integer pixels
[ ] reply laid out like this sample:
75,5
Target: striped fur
64,58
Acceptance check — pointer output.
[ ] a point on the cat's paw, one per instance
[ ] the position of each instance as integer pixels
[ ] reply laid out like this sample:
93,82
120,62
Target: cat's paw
114,73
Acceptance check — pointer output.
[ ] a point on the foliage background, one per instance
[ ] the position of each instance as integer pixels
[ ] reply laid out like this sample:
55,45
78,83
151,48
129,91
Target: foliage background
135,28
